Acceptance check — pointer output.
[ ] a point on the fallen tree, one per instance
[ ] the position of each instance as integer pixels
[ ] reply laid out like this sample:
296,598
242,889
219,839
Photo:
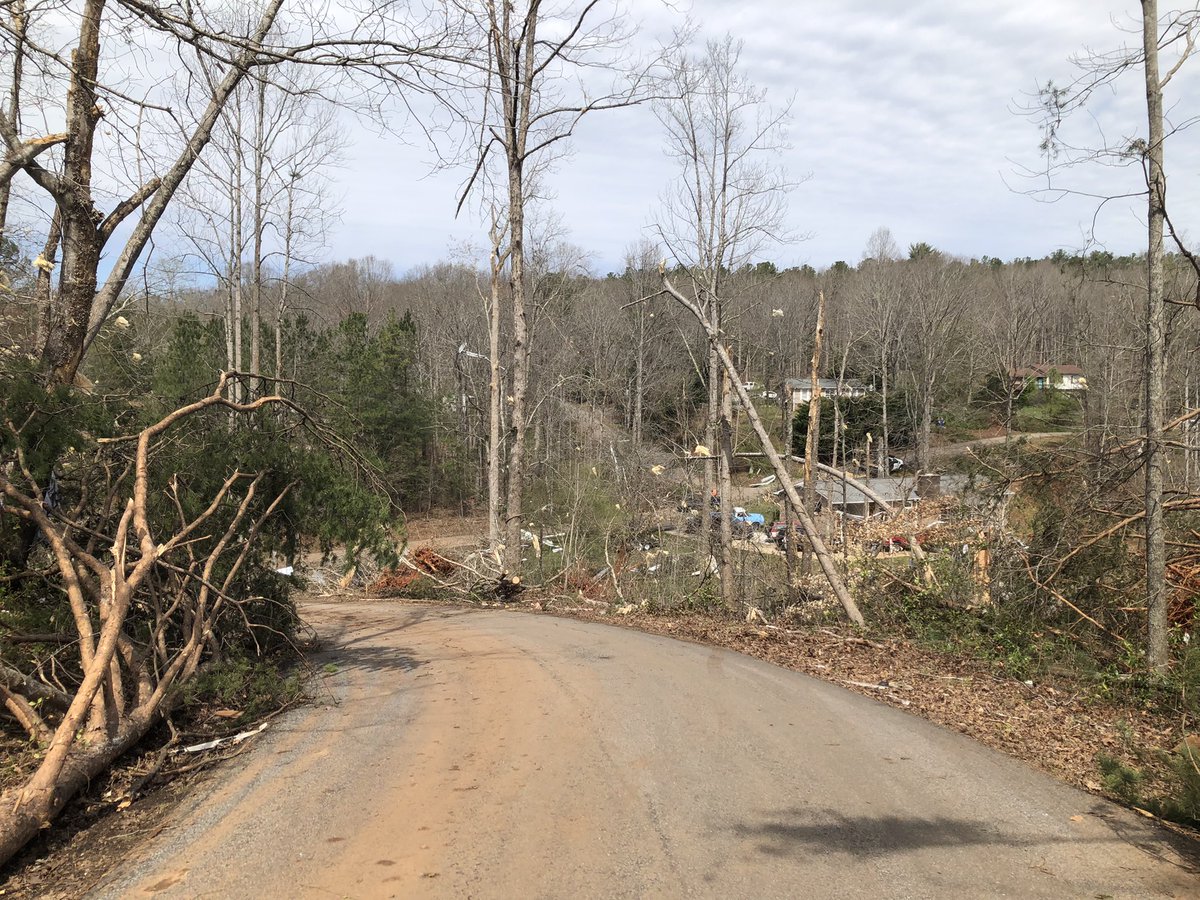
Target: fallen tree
871,494
146,583
824,558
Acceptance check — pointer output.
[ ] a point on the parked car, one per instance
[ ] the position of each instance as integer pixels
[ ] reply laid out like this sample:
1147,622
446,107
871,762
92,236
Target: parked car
769,395
754,520
778,533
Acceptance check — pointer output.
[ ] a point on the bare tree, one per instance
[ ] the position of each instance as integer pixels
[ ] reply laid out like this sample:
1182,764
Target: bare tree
1157,651
641,261
521,94
259,197
878,300
1174,33
86,231
728,204
934,303
141,178
1011,323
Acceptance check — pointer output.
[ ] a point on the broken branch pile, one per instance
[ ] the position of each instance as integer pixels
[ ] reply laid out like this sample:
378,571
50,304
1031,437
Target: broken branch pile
421,563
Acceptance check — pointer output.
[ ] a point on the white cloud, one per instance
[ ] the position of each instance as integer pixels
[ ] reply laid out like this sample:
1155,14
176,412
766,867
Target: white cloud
905,115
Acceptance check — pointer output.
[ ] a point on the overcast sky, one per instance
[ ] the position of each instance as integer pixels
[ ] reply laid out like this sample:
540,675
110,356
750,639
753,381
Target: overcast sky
906,115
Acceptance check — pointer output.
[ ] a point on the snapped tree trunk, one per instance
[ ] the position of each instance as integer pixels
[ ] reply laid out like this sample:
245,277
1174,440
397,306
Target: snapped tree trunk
711,427
824,558
725,474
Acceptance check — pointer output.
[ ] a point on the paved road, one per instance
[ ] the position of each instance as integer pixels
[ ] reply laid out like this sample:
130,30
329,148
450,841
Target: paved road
495,754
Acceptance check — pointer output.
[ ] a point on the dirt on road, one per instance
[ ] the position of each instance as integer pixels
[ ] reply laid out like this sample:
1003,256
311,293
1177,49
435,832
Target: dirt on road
467,753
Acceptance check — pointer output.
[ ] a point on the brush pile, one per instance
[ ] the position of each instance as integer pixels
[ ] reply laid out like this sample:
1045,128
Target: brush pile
399,581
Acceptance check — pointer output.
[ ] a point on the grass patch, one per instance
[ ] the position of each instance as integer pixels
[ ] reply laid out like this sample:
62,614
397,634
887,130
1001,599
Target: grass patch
253,687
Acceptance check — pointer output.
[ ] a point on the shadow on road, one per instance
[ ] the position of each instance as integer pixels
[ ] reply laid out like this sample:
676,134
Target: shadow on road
869,837
370,658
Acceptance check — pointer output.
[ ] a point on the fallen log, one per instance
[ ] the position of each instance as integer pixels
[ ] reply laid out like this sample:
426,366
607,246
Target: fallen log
32,689
509,586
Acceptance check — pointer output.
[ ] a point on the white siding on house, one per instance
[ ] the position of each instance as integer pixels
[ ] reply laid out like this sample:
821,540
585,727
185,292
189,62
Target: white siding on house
801,389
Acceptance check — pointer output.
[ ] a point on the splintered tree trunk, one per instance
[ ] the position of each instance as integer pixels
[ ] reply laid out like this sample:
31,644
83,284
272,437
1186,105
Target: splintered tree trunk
711,425
813,443
827,562
1157,654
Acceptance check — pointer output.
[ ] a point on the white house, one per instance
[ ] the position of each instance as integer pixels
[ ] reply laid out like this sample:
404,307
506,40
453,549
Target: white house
1042,376
800,389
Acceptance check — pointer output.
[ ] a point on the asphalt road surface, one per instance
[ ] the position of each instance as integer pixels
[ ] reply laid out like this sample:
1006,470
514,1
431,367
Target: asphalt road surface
488,754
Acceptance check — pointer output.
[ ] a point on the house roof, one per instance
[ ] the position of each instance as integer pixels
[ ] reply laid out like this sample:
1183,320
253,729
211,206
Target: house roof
1042,370
827,384
889,489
